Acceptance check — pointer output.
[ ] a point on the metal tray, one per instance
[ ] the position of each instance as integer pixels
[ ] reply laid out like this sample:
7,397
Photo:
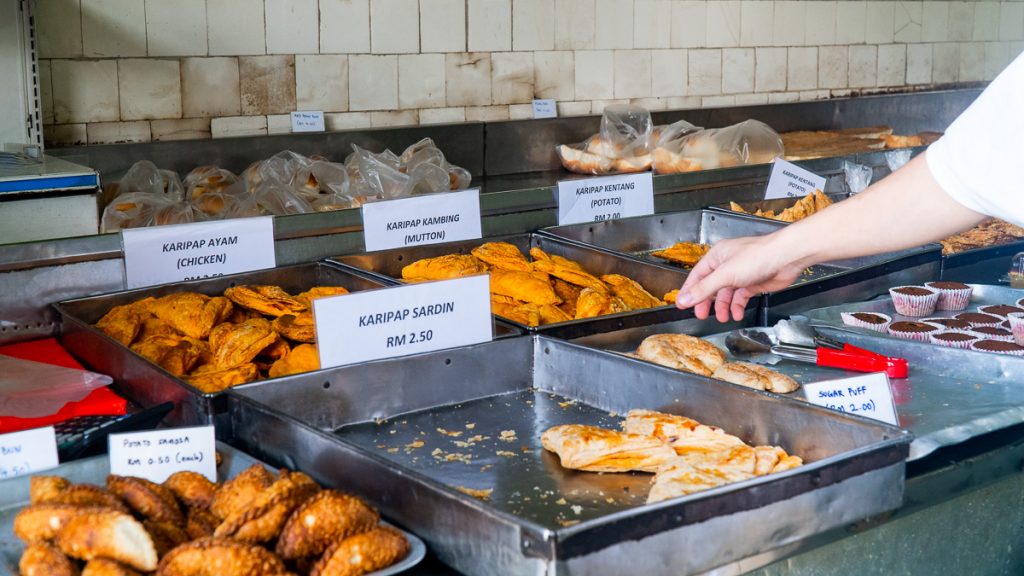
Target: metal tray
387,265
14,495
365,422
986,265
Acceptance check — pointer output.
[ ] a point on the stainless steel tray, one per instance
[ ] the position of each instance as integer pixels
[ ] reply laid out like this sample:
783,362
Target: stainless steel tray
365,423
387,265
986,265
14,495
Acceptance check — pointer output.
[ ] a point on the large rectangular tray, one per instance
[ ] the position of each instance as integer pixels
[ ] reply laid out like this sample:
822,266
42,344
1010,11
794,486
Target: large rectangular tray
658,280
393,429
986,265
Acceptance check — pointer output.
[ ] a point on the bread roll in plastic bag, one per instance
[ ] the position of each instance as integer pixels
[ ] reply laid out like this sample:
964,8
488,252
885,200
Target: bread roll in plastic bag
138,209
622,145
325,185
144,176
206,187
749,142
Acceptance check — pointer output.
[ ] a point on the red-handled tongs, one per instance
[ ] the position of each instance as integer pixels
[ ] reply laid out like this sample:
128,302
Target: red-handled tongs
828,352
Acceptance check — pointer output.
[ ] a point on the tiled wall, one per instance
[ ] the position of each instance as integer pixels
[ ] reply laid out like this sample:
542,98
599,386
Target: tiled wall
140,70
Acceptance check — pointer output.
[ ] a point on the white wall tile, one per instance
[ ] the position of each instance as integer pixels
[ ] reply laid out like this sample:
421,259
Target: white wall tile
235,27
652,20
394,27
809,95
387,119
184,129
788,23
820,23
345,27
65,134
598,106
209,87
444,115
879,20
632,73
1011,21
112,28
997,57
755,16
468,78
84,91
850,22
595,74
442,26
176,28
266,84
293,26
613,24
907,25
118,132
737,70
553,75
279,124
490,25
149,88
512,77
705,72
717,101
347,120
520,111
934,21
59,28
533,25
689,21
945,62
682,103
723,24
863,66
892,64
321,82
770,69
972,62
751,99
783,97
669,72
575,21
574,108
372,82
833,66
486,113
652,104
986,21
238,126
45,91
961,21
421,81
919,63
802,69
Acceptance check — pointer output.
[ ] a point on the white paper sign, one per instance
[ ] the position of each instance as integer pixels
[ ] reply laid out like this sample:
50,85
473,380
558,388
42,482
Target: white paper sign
156,454
308,121
605,198
180,252
444,217
791,181
403,320
868,395
27,451
545,108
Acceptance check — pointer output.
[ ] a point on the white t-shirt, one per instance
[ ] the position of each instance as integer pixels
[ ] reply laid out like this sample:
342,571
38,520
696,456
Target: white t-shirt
978,161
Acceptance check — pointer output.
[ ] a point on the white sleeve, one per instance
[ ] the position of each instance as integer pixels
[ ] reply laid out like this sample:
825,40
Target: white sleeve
977,162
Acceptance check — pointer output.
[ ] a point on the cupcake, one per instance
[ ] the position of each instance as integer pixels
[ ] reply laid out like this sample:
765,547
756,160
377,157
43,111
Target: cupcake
870,320
952,295
914,300
1020,302
998,346
920,331
1016,320
953,339
979,319
1001,310
949,323
993,333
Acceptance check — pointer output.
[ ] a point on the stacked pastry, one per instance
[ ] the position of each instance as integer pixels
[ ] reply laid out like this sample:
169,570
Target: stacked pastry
807,144
685,455
256,523
811,204
216,342
989,233
546,290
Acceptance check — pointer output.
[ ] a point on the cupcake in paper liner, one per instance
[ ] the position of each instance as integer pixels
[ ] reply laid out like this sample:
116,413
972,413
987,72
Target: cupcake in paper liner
998,346
1016,320
953,296
919,331
953,339
950,323
993,333
979,319
870,320
914,300
1001,310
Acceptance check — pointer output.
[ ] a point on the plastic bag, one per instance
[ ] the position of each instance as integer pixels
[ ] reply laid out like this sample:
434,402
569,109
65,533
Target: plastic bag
144,176
325,185
138,209
622,145
207,188
896,159
858,176
32,389
749,142
381,175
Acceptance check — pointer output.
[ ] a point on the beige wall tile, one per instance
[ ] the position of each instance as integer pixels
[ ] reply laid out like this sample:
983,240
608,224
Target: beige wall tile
972,62
919,63
770,69
112,28
907,25
59,28
235,27
717,101
118,132
755,16
553,75
833,65
863,66
487,113
850,21
293,26
997,57
64,135
84,91
520,111
1011,21
442,26
682,103
751,99
613,24
394,27
737,70
45,91
490,25
512,77
266,84
632,73
945,62
820,23
844,93
595,74
802,69
704,68
185,129
689,21
723,23
961,21
238,126
345,26
394,118
149,88
783,97
347,121
598,106
444,115
892,64
574,108
986,21
879,20
468,79
809,95
652,104
279,124
934,21
176,28
209,87
533,25
575,21
652,21
420,81
789,23
321,82
669,73
372,82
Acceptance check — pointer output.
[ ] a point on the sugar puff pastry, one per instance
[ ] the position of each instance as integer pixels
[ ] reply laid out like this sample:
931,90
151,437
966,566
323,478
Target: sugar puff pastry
682,352
596,449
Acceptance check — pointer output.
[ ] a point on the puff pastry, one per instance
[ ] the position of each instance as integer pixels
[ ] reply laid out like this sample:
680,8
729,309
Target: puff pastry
108,534
682,352
757,377
596,449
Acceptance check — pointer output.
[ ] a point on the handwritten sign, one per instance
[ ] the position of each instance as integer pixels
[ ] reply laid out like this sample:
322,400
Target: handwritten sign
791,181
180,252
156,454
430,219
308,121
403,320
605,198
545,108
27,451
868,395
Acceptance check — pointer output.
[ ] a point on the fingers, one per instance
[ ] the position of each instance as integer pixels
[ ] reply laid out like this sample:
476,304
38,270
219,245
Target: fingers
739,303
722,301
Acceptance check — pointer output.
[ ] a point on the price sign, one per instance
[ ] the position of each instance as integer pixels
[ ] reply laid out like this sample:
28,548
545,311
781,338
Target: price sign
605,198
156,454
545,108
27,451
444,217
791,181
180,252
308,121
403,320
868,395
